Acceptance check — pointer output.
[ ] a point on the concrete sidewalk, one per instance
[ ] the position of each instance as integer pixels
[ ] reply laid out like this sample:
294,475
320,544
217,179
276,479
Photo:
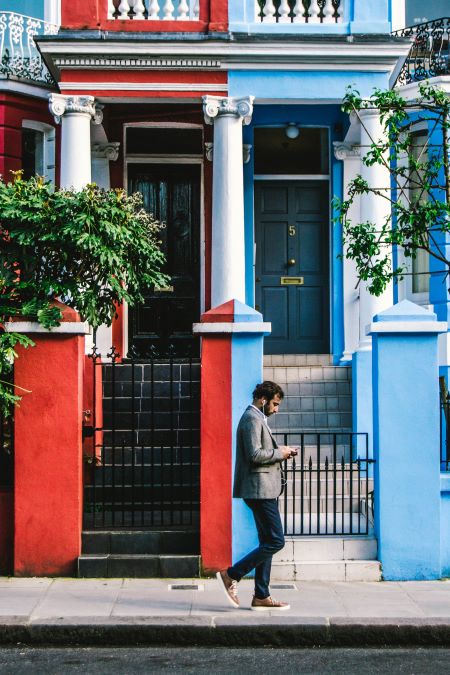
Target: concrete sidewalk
190,612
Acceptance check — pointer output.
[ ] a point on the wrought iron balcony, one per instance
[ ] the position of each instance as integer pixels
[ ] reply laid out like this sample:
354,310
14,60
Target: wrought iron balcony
299,11
20,57
154,10
430,51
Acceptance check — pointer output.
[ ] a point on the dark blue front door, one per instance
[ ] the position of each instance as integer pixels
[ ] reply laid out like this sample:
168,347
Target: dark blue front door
292,287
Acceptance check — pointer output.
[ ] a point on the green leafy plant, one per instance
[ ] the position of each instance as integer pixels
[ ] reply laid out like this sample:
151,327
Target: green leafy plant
417,188
91,249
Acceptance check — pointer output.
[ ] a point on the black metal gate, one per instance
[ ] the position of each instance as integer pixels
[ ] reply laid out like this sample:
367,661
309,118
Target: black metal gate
142,442
329,486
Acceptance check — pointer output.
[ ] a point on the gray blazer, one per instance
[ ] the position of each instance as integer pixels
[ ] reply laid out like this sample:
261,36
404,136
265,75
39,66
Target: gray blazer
257,473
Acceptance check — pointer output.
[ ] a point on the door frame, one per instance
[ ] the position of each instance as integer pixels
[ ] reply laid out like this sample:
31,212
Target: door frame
168,159
298,178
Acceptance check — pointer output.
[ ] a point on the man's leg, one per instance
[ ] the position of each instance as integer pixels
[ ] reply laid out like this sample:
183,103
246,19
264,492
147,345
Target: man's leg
271,538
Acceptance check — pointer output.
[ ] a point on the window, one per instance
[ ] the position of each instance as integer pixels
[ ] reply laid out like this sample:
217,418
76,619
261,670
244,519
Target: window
276,153
38,149
421,263
161,141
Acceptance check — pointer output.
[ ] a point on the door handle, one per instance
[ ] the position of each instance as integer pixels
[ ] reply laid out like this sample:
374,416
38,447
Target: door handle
291,262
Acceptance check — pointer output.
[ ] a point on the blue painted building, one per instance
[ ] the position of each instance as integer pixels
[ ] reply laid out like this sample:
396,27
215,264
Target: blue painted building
227,117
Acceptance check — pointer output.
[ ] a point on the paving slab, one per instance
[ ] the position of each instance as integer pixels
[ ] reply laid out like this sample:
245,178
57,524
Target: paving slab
155,611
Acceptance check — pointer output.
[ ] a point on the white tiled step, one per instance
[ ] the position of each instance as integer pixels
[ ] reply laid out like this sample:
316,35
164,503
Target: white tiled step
327,524
297,360
331,570
304,549
285,374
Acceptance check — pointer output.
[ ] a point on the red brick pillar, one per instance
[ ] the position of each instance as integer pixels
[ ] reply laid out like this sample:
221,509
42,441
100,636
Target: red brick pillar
48,448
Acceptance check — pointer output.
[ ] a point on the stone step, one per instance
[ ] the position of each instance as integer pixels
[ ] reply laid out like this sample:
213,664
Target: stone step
288,421
285,374
147,542
138,566
297,359
330,570
341,524
306,549
316,403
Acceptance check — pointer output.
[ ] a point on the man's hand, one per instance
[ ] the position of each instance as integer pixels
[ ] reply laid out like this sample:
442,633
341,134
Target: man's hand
288,452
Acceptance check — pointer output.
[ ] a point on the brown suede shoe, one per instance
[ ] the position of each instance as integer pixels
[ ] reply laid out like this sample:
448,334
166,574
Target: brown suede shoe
229,587
268,604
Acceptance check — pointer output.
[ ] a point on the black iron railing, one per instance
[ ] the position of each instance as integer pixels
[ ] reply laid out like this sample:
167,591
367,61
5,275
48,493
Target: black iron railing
6,452
329,485
445,425
142,443
429,55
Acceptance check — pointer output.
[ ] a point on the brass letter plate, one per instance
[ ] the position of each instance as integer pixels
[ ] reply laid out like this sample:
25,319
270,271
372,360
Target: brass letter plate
292,281
163,289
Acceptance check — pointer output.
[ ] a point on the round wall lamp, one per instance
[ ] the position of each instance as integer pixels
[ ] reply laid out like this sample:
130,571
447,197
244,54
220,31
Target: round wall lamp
291,130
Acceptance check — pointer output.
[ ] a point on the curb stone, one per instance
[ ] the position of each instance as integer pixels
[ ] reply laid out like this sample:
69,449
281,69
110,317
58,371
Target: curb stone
298,632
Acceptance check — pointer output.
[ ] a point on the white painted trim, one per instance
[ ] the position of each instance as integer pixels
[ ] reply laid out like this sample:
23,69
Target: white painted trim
238,327
411,91
36,91
52,12
291,176
49,149
342,52
164,159
398,14
407,327
66,327
141,86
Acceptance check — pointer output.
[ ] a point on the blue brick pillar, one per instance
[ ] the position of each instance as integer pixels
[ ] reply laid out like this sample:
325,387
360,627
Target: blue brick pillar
406,441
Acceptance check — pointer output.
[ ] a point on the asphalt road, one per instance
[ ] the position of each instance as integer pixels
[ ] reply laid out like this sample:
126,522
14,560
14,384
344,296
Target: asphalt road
124,661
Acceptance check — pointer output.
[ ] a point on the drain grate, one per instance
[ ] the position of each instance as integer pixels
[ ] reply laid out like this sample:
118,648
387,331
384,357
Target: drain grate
185,587
284,587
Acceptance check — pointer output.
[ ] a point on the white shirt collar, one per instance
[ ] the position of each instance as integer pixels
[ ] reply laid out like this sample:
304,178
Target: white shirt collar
260,412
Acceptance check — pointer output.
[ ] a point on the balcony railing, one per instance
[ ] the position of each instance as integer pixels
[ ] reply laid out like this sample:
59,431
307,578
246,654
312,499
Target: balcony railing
154,10
299,11
19,54
430,51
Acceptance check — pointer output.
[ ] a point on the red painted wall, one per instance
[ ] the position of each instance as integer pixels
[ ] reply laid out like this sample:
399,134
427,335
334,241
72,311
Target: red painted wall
48,456
215,443
13,110
213,17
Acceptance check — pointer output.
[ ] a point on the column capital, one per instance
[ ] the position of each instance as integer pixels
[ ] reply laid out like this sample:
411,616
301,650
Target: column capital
85,105
109,151
246,152
218,106
343,151
369,112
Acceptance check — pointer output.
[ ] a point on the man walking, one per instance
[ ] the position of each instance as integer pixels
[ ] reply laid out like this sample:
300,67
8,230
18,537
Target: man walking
257,480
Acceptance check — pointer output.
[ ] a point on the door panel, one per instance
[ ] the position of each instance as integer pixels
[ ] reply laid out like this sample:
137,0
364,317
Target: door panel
276,304
291,227
172,194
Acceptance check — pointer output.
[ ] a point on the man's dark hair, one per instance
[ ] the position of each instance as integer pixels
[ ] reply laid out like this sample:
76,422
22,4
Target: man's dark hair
268,390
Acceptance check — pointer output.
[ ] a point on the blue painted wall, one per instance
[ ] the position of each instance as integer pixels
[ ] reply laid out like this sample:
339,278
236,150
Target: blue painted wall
313,86
331,117
246,372
406,447
33,8
358,16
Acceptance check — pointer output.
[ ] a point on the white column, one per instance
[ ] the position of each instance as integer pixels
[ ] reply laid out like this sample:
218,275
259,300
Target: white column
375,209
102,155
75,114
228,241
350,156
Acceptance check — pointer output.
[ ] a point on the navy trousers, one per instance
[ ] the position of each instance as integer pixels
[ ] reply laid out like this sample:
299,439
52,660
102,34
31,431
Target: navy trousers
271,539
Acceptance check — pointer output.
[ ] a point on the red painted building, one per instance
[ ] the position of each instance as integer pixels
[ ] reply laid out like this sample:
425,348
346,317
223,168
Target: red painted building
226,117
